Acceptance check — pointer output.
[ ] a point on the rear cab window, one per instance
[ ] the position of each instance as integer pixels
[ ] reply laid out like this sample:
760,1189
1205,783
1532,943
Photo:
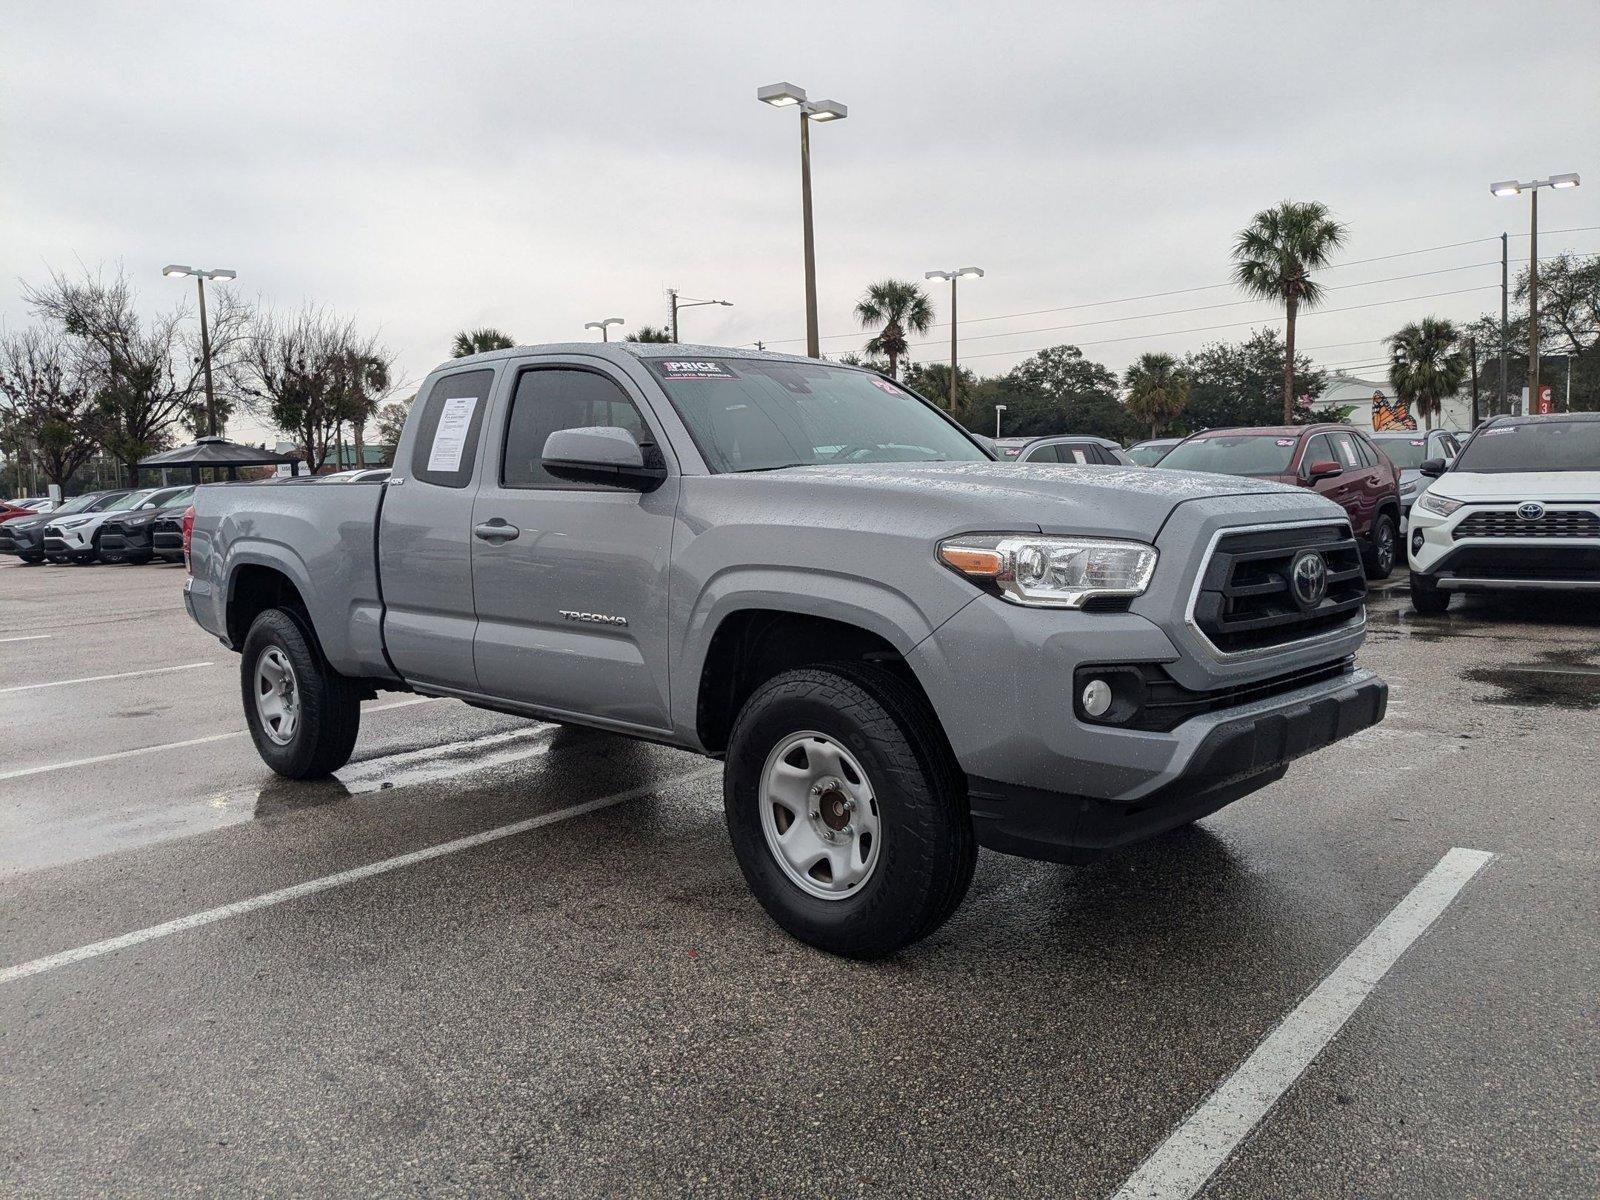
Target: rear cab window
448,429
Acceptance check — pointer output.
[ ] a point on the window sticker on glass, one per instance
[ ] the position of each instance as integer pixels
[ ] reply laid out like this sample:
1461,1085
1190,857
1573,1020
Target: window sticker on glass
1417,442
672,368
1285,441
1498,432
883,385
451,436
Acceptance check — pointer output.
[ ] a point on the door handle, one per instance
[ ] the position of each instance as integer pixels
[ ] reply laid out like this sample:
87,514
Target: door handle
496,530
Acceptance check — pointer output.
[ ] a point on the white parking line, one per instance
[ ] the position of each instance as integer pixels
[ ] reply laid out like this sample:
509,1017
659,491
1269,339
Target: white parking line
1180,1166
32,637
354,875
199,741
29,687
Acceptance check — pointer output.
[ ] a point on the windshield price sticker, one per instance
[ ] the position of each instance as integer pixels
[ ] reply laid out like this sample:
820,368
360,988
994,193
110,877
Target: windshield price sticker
1285,441
1416,442
672,368
450,438
1497,432
883,385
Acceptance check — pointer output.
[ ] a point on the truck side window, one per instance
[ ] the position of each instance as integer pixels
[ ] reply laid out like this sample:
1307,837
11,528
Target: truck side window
552,398
447,431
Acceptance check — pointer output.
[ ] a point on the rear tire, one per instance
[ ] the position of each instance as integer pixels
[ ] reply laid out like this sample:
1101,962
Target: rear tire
900,770
1427,597
1382,546
306,727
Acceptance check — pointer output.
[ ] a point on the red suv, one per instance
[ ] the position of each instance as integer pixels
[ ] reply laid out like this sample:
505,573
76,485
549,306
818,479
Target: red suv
1340,462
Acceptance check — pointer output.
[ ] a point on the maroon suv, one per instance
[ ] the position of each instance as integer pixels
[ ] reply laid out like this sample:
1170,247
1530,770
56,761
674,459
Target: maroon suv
1340,462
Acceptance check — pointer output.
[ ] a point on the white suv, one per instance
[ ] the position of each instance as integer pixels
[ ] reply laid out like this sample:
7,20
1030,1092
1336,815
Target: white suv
1519,510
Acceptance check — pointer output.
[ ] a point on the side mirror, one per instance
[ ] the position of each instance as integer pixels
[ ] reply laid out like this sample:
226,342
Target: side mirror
601,454
1434,467
1326,469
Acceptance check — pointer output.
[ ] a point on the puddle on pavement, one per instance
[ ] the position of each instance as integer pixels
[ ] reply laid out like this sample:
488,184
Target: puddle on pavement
1546,685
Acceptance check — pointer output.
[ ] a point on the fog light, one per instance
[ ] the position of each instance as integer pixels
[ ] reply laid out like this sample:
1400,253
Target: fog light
1416,541
1097,698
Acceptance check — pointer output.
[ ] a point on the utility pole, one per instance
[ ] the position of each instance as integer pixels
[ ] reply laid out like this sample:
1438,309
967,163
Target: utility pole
1505,321
1533,307
672,299
1472,349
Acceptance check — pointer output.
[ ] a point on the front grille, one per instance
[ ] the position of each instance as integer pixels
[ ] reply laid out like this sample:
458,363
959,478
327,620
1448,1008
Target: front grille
1554,563
1556,523
54,543
1245,601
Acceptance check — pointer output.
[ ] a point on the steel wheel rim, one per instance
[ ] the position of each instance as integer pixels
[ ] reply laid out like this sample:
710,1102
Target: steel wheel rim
820,816
277,694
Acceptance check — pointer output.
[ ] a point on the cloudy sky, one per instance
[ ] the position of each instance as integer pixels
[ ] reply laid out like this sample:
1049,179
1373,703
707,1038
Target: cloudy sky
428,167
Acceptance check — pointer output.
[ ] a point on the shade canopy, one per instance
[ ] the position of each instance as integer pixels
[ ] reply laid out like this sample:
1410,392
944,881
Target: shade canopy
217,452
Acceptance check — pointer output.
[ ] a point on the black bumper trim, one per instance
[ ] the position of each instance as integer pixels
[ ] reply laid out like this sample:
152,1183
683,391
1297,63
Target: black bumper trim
1236,758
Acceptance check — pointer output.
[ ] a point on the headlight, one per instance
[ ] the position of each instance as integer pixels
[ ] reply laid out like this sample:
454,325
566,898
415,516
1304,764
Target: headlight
1408,489
1435,503
73,524
1052,572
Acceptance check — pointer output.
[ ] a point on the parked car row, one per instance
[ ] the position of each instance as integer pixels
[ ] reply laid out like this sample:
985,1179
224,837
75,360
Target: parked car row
117,525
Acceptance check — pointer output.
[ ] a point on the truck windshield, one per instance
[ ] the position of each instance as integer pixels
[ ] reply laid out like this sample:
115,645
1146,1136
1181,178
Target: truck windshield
1239,454
760,414
1534,446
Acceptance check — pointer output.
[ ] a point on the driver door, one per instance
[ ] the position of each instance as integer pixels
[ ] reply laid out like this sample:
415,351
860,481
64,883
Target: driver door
570,578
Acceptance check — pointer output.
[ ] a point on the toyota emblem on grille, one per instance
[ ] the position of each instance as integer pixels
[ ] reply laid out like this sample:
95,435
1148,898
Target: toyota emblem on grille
1531,511
1308,577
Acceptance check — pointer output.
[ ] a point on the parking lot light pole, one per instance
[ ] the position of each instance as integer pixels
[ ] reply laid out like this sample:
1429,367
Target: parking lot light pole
952,276
678,302
1514,187
787,95
175,271
603,326
998,409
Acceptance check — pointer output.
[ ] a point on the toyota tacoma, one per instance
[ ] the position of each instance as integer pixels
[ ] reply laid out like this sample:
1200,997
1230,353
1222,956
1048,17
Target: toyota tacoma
902,649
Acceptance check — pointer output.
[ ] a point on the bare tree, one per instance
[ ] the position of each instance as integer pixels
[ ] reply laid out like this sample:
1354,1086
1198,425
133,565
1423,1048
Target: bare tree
46,404
392,423
308,373
145,375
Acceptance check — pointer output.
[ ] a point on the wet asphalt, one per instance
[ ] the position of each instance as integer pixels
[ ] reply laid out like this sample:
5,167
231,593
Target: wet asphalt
596,1007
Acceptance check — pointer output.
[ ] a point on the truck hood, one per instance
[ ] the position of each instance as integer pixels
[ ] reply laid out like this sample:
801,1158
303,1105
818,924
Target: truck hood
1516,486
960,497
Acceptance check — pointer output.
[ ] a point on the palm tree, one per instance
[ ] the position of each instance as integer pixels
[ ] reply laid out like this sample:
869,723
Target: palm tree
1158,390
1272,258
649,333
476,341
899,307
1426,364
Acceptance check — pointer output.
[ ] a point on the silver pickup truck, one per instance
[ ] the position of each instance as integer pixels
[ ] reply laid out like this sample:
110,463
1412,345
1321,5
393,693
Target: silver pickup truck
902,649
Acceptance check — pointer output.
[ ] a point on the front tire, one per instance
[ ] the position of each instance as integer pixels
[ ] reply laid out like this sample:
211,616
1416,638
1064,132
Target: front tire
1383,543
303,715
1427,597
847,811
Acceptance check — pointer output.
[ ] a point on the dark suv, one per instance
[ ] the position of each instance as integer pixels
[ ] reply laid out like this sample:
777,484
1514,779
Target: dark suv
1340,462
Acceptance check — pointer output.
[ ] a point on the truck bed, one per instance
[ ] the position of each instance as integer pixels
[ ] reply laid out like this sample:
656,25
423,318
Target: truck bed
322,535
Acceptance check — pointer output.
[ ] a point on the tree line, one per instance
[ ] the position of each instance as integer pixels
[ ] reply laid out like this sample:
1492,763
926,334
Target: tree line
94,374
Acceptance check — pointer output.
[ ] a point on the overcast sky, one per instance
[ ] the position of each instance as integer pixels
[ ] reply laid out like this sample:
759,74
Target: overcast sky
425,168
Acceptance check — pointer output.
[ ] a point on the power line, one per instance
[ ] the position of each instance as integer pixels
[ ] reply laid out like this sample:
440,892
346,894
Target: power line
1173,312
1208,287
1237,324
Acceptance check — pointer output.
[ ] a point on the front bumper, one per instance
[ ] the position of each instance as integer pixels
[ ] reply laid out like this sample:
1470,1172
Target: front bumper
1505,562
1236,753
134,541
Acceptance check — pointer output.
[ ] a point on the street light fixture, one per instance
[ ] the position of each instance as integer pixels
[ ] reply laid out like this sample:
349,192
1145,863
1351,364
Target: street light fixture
1514,187
678,302
998,409
602,326
952,276
788,95
178,271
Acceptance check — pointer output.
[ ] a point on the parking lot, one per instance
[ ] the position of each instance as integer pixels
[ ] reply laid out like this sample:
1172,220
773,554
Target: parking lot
572,992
